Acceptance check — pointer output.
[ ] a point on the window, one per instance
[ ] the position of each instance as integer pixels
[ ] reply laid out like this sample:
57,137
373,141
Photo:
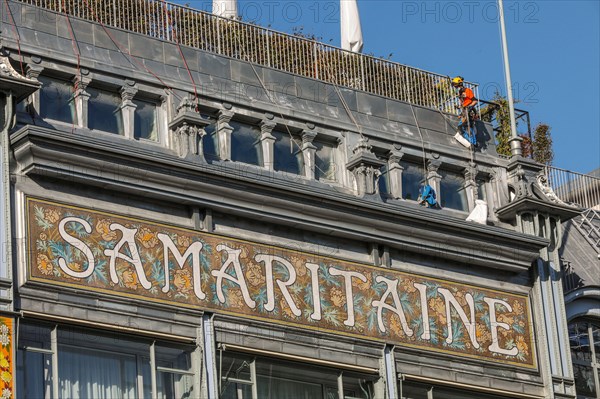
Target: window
481,194
412,178
99,365
452,191
417,390
34,362
384,182
210,143
241,374
325,168
287,153
145,124
104,111
245,143
56,100
584,339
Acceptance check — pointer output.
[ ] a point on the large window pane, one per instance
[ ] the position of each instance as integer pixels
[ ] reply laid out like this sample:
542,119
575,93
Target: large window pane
95,374
384,182
358,387
410,390
287,388
453,191
56,100
210,144
584,380
579,341
34,375
325,168
245,144
481,193
174,373
412,178
104,112
415,390
288,157
596,338
145,120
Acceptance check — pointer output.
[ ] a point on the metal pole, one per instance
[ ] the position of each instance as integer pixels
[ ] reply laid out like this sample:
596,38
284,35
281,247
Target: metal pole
515,141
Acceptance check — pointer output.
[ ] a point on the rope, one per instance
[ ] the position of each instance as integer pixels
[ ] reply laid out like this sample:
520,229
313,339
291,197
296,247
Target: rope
412,109
18,36
264,86
76,51
333,80
131,57
176,36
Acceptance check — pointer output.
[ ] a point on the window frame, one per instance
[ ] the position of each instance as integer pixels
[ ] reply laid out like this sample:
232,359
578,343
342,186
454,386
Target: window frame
58,338
594,362
336,375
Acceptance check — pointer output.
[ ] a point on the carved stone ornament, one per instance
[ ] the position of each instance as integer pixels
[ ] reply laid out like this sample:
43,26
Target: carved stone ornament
187,129
11,80
543,187
365,166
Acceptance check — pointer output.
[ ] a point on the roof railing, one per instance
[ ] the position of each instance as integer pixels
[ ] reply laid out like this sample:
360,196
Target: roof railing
573,187
290,53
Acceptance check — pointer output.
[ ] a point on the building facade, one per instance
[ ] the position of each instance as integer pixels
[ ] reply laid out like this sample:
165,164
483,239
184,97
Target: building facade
184,223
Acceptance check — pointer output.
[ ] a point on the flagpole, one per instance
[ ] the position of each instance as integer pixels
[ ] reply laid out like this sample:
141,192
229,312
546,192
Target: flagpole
515,140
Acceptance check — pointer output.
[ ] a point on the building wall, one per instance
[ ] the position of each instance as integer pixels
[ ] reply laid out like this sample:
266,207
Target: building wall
145,180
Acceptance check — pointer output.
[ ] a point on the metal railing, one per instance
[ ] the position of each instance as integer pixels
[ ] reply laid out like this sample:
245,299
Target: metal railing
290,53
573,187
521,117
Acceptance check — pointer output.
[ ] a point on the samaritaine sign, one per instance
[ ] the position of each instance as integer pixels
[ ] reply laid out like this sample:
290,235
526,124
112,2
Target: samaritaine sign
127,257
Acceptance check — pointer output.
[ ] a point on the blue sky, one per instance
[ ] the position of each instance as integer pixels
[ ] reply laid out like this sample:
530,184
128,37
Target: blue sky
554,50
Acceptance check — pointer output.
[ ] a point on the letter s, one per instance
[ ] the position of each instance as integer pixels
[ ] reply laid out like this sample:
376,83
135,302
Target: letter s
80,245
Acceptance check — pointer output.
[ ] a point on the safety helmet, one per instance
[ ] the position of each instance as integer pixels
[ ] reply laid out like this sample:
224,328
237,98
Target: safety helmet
457,81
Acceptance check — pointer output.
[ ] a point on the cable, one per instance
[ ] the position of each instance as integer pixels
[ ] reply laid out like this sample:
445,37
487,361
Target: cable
75,46
18,36
176,36
343,101
131,57
412,108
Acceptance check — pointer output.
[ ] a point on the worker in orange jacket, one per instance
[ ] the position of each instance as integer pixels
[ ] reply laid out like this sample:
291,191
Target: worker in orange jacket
466,126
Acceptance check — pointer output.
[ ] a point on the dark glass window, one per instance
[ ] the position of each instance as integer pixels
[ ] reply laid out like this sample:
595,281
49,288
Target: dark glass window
412,179
245,143
100,365
56,100
416,390
584,339
145,120
453,193
287,153
104,112
481,194
286,380
210,143
384,182
325,168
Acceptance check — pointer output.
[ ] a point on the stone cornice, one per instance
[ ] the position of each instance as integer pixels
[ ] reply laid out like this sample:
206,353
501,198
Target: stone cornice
113,162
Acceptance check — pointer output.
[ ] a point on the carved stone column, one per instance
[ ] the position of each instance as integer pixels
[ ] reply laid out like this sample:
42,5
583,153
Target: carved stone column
33,72
267,140
224,131
128,91
470,174
434,178
309,153
364,165
81,97
187,130
395,173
